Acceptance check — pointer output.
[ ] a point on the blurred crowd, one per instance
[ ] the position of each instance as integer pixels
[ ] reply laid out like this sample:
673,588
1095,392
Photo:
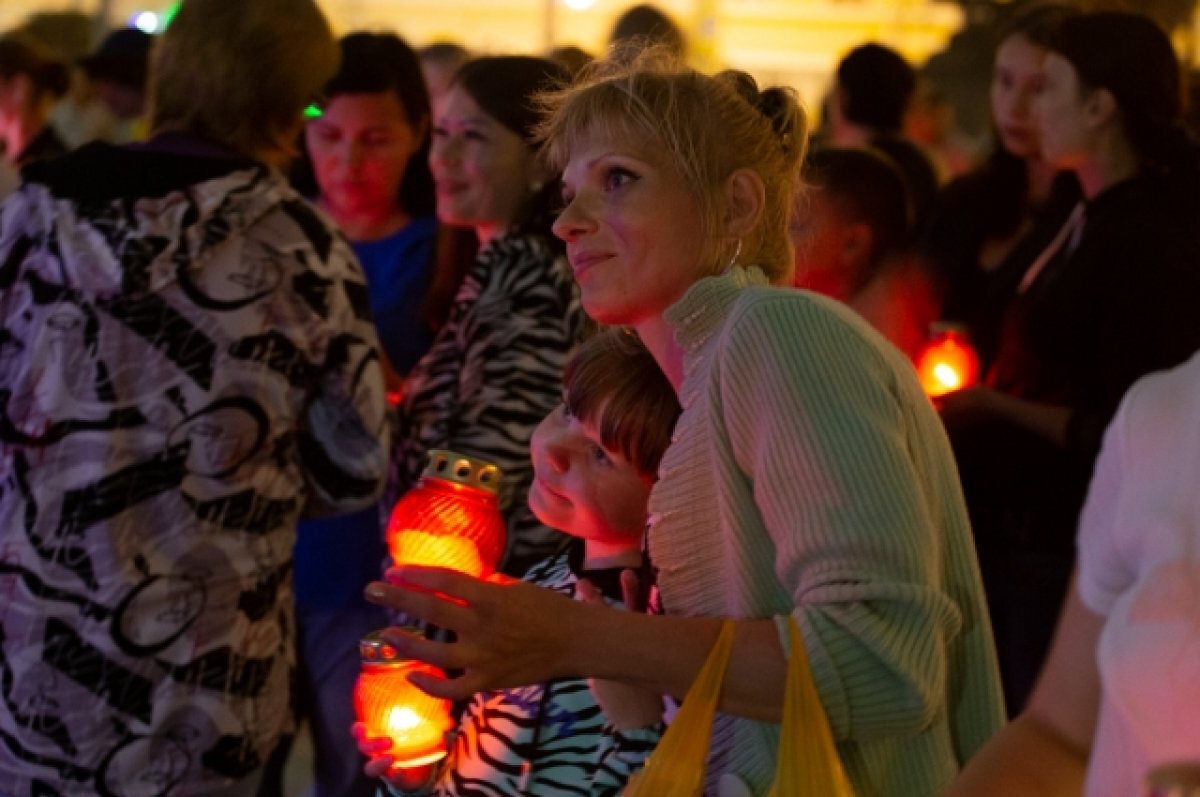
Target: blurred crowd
263,319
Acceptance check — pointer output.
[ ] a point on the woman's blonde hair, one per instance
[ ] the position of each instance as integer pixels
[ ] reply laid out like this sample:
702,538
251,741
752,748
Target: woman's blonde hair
241,73
706,127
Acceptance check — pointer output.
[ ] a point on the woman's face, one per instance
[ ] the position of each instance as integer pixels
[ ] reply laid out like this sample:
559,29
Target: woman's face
1061,114
634,231
483,171
1016,80
360,150
580,487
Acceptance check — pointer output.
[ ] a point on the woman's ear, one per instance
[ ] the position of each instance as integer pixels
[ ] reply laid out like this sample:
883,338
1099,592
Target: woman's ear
1101,107
746,196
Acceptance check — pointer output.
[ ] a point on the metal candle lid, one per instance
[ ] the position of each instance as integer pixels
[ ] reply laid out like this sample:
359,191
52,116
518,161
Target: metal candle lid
374,649
461,469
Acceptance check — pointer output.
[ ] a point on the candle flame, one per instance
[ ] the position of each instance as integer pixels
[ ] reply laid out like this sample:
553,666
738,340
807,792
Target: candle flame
947,375
401,719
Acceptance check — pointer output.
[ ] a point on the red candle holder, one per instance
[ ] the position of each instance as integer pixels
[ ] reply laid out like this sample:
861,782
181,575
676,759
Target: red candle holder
948,362
451,518
389,705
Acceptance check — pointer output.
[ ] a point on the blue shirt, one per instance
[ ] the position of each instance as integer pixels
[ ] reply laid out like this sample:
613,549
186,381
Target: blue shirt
398,274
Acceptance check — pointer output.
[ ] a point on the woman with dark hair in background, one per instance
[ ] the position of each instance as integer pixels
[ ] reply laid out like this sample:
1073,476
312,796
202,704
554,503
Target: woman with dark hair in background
31,81
989,225
369,152
1112,298
495,369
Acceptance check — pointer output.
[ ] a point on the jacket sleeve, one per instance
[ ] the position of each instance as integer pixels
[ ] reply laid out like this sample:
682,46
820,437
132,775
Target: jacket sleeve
344,435
835,446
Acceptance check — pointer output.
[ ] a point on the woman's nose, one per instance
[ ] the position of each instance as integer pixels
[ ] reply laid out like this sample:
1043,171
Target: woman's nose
443,150
573,221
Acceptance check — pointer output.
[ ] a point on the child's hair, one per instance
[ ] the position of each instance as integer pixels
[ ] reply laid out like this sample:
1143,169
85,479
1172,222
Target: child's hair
613,382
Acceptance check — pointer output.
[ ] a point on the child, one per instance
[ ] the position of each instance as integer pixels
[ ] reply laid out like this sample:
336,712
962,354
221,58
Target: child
594,460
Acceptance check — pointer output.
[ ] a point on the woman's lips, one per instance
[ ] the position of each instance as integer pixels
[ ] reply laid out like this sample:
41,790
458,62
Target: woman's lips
581,262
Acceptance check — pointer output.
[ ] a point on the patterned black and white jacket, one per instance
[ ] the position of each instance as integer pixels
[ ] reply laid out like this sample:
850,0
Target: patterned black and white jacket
493,373
187,365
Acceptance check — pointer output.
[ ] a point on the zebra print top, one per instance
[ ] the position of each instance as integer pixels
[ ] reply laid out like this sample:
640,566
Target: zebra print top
547,739
493,372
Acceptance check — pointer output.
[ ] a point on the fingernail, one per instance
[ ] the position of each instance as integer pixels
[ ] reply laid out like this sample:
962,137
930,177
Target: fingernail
375,590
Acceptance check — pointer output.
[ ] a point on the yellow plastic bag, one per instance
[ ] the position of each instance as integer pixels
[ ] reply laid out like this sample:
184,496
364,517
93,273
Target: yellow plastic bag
808,764
676,767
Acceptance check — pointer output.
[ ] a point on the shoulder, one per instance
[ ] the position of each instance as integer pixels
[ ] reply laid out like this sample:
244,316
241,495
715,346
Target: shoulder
1160,410
794,320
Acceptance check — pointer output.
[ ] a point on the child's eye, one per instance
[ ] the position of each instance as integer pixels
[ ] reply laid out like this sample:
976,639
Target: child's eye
599,455
616,177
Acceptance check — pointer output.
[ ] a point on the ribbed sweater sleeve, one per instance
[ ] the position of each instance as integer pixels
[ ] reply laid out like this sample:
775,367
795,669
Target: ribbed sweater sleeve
820,424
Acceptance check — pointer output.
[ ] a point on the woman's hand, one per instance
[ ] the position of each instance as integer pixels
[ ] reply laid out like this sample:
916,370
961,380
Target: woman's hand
626,707
507,635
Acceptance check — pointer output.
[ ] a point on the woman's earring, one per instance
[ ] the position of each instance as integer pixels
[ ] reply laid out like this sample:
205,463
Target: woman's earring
737,252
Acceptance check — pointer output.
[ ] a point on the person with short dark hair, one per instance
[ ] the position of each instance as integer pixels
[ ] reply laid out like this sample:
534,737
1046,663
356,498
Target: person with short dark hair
118,71
873,87
646,25
852,237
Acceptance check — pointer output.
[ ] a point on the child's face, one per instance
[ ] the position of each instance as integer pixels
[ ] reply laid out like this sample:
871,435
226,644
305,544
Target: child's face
583,489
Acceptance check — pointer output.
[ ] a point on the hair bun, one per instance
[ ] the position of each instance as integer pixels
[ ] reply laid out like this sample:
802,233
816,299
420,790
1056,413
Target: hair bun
777,104
780,106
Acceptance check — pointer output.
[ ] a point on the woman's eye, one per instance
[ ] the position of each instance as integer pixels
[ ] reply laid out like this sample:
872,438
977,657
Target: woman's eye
616,177
566,411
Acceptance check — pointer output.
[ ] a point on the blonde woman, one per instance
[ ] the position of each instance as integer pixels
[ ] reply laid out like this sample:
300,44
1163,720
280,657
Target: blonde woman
808,477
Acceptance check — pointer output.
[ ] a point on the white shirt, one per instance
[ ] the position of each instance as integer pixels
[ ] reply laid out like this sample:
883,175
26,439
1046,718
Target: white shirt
1139,559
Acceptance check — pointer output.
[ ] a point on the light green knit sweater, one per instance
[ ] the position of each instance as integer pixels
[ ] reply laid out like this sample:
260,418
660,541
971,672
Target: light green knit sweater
809,475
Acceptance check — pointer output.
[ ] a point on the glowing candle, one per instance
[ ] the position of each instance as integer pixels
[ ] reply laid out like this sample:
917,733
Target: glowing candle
390,706
948,362
451,518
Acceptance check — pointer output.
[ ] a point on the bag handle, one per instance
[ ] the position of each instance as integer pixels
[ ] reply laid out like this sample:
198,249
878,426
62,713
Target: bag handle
808,762
676,767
